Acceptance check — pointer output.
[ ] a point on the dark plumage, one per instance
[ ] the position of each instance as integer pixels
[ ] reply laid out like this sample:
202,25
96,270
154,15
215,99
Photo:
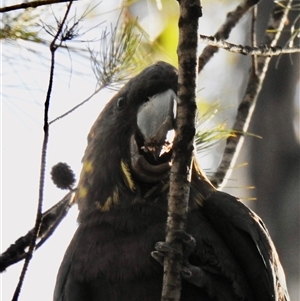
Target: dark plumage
122,197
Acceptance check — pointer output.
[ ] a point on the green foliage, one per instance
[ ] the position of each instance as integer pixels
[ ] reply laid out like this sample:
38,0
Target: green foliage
21,26
206,136
120,54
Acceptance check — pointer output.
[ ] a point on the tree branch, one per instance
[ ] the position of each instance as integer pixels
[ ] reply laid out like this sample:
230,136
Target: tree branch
254,36
190,11
223,33
53,48
32,4
247,105
263,50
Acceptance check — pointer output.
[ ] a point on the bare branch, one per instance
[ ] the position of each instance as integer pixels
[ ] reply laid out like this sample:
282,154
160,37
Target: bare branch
190,11
247,105
32,4
224,31
53,48
77,106
263,50
253,36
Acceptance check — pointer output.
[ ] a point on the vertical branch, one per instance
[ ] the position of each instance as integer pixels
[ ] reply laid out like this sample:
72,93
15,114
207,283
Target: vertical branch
253,38
190,11
247,105
39,214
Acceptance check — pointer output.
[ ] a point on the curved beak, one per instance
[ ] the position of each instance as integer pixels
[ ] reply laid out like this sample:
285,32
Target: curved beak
155,119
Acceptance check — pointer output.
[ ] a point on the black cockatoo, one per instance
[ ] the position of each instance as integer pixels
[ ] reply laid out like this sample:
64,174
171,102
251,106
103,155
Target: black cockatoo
122,197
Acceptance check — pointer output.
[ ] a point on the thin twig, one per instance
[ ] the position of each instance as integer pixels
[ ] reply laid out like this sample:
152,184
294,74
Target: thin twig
262,50
247,105
223,33
32,4
190,11
122,46
77,106
53,48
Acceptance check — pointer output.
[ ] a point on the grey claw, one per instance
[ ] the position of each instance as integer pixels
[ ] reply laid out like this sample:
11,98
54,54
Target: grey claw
158,256
186,273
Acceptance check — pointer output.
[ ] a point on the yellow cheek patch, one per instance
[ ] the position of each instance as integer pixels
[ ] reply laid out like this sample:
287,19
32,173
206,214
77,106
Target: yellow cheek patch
138,200
82,192
199,199
87,166
115,197
110,202
127,176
